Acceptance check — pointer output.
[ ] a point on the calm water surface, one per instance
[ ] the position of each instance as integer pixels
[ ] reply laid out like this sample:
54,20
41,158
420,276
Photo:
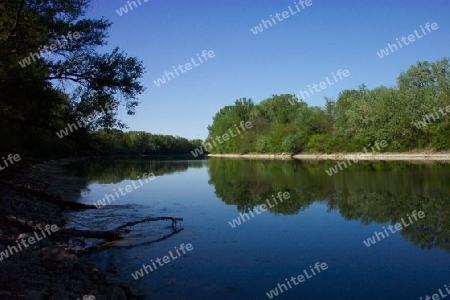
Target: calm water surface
326,220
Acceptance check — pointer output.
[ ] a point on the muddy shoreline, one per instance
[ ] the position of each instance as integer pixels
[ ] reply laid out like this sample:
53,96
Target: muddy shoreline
420,156
49,268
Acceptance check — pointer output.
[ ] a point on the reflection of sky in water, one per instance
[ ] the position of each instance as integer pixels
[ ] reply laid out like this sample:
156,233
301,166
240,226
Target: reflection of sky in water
247,261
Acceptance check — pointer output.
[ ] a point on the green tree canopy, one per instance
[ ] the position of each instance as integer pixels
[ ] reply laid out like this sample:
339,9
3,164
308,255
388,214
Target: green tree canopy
51,73
356,119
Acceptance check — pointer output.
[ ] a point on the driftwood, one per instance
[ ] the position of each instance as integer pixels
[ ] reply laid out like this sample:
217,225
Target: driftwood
151,219
50,197
165,237
105,245
113,236
110,236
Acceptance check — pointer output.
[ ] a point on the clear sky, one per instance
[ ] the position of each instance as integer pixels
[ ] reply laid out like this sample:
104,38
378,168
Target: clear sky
283,59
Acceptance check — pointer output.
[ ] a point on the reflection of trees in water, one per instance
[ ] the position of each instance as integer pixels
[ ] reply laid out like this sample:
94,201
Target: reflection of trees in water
115,171
246,184
369,192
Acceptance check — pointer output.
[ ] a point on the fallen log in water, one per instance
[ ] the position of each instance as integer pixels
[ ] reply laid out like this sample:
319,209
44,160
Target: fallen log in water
105,245
151,219
111,235
165,237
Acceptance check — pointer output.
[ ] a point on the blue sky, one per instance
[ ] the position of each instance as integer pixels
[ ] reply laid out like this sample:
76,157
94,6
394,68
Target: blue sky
285,58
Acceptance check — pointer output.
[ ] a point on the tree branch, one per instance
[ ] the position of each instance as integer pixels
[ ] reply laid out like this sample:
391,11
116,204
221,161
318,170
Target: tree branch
16,22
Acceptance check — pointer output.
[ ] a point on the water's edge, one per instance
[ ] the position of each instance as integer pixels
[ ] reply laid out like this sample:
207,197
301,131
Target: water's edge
442,157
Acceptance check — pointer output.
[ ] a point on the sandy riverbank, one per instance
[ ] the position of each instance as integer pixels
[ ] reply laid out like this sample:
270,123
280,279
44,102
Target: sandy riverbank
419,156
253,156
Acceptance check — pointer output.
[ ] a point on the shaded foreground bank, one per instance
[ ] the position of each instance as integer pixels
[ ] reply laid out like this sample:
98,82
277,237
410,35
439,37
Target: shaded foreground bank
48,268
421,156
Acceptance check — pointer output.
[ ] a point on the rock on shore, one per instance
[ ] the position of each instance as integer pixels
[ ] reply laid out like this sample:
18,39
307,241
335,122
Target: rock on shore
46,269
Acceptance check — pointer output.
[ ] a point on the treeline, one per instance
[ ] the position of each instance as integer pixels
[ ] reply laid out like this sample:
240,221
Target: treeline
413,115
65,83
116,142
64,100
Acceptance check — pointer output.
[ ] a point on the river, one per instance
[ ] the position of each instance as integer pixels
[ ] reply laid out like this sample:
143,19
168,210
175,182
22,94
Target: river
296,216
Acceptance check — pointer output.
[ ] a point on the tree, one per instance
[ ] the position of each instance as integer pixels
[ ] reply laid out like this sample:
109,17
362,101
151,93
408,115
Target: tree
356,119
50,74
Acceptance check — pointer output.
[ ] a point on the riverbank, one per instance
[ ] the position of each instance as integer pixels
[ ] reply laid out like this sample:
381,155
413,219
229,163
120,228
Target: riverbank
419,156
48,268
253,156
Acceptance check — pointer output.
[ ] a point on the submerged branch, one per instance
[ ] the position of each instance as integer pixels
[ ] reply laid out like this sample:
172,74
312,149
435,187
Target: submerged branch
113,236
151,219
